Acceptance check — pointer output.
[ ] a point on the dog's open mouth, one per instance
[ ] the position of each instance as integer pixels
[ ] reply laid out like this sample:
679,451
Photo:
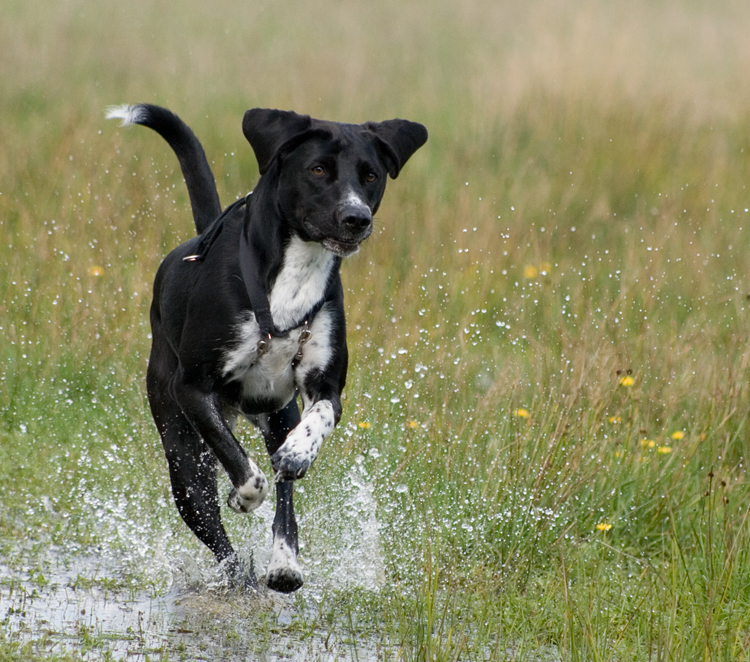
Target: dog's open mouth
340,248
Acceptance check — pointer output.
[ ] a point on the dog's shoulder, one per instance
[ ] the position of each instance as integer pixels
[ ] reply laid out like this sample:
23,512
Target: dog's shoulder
200,300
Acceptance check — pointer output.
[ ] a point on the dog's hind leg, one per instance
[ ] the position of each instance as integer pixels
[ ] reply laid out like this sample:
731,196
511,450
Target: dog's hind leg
192,466
283,573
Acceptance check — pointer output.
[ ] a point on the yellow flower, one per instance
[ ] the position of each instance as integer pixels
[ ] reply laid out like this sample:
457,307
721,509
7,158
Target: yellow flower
521,413
364,425
648,443
627,381
679,435
95,270
412,424
664,450
615,419
603,526
530,271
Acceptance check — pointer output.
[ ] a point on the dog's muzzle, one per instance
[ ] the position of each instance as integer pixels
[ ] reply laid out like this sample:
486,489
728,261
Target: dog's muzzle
354,223
340,248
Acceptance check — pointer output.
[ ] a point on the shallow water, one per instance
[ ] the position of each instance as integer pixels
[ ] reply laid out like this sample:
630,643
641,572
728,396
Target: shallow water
208,623
74,601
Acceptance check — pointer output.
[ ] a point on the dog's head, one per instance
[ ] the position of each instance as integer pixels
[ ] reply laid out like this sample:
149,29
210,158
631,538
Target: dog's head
329,177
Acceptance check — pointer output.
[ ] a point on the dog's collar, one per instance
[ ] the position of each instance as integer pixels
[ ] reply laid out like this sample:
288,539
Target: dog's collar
253,285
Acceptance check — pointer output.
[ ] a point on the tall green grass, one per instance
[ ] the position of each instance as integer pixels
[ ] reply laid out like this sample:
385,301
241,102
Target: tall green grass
548,329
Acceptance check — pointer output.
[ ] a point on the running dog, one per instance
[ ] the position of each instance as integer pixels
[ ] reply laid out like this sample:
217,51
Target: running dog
249,314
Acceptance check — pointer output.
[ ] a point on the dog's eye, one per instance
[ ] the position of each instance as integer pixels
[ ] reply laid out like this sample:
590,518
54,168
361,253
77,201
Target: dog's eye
370,177
318,170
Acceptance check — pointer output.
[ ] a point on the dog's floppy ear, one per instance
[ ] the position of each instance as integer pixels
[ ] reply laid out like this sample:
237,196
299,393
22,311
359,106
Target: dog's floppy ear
267,130
397,140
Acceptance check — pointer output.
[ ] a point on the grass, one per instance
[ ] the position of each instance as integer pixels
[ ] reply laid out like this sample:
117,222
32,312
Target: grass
570,243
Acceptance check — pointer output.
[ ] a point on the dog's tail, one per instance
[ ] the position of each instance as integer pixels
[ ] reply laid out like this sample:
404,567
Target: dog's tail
204,198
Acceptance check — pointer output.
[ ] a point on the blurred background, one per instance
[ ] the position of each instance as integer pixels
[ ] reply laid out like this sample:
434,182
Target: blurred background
548,328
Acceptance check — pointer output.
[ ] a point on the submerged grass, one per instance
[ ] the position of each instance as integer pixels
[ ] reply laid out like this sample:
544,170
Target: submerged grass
543,448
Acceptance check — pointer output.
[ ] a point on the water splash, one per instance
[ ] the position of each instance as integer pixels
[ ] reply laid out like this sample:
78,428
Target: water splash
342,547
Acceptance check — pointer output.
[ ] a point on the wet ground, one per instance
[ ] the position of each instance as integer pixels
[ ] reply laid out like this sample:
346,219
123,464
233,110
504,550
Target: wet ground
90,603
205,623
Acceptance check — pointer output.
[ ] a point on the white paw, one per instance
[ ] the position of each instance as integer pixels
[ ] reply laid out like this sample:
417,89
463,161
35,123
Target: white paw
283,573
301,446
293,460
249,496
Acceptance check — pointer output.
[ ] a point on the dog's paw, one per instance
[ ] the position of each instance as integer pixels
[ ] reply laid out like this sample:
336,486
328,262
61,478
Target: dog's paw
284,580
239,573
249,496
283,574
301,446
290,463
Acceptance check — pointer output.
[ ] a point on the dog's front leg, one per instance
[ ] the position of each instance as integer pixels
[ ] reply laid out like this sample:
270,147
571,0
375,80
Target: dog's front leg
301,446
201,407
284,573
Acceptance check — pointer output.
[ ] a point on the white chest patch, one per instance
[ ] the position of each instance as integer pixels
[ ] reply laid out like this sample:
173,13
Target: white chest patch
301,282
300,285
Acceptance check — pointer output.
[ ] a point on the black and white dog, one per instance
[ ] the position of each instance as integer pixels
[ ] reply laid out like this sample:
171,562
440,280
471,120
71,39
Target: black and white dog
250,313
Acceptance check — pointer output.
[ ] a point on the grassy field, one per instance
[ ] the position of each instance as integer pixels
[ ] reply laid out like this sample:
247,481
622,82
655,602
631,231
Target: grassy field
543,449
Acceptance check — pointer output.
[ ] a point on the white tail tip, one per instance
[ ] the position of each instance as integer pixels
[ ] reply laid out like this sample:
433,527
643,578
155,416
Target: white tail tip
128,114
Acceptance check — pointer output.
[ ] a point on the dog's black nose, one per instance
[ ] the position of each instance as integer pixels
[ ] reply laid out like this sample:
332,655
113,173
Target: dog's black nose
357,220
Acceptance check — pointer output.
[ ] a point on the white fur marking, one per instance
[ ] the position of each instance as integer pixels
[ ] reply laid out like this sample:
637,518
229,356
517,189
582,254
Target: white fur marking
252,493
303,443
354,200
272,377
128,114
301,283
283,560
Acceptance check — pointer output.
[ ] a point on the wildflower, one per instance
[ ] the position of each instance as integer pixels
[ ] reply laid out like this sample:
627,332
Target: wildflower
678,436
530,271
364,425
615,419
664,450
412,424
648,443
627,380
521,413
95,270
603,526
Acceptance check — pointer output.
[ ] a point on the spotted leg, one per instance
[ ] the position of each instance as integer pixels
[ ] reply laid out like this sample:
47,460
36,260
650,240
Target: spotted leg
294,457
283,573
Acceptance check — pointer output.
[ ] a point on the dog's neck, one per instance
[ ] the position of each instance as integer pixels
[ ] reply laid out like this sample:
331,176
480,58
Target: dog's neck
266,234
301,283
295,273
